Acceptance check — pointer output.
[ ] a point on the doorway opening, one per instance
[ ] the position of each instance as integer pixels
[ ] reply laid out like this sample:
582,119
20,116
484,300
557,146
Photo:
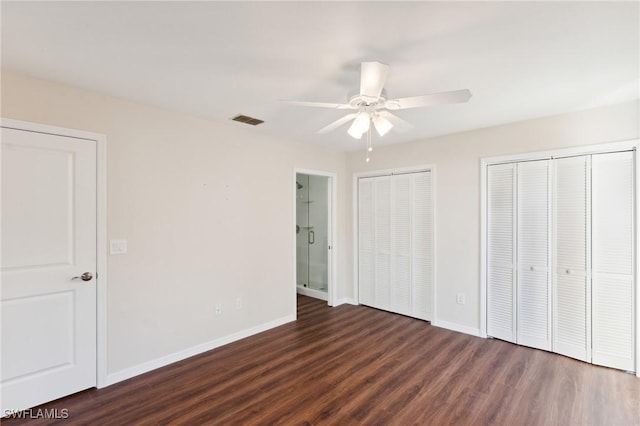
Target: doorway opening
314,234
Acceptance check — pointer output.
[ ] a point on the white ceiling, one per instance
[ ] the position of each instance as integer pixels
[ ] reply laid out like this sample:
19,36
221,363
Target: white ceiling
520,60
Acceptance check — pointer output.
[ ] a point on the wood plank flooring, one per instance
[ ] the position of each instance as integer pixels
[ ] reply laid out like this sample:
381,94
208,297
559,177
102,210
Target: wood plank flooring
354,365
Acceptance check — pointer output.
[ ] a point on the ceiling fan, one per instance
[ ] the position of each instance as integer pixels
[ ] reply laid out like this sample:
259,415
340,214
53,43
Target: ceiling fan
371,105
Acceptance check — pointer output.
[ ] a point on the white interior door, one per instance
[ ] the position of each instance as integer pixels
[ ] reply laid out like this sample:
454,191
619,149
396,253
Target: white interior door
501,304
613,254
533,283
48,237
572,240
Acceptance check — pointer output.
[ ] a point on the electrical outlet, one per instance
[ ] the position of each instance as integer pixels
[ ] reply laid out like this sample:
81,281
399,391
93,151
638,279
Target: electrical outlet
238,303
218,308
460,299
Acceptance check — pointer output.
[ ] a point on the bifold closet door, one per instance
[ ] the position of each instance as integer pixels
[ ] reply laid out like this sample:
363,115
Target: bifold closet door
374,241
501,252
571,281
382,242
366,237
533,308
613,254
395,243
422,245
401,250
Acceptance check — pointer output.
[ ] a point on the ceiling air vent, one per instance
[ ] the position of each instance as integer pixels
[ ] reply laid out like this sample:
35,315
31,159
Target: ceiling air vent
248,120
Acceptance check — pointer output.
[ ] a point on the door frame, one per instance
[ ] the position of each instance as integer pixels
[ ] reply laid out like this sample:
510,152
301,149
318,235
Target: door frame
332,270
626,145
101,228
356,260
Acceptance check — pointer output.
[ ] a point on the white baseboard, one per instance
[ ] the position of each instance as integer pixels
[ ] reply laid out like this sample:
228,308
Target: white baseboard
145,367
456,327
306,291
345,300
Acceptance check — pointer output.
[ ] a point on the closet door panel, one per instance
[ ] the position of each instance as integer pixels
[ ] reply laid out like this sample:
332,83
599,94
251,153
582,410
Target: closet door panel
613,330
395,243
533,292
613,267
572,305
422,246
366,236
382,268
500,252
401,244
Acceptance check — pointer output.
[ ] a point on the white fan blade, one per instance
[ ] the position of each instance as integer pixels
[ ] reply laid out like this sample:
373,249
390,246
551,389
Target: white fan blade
399,124
372,78
319,104
339,122
457,96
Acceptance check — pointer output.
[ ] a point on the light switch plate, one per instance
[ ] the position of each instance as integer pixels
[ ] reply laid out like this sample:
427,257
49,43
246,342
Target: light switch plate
117,246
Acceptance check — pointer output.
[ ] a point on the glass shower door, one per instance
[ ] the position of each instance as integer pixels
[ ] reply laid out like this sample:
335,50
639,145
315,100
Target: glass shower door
312,230
302,230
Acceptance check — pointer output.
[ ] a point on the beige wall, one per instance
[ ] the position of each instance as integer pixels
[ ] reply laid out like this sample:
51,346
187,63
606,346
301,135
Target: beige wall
457,161
207,209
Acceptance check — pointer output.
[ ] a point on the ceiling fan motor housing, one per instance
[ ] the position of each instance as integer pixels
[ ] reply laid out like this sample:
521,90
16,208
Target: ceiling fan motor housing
366,102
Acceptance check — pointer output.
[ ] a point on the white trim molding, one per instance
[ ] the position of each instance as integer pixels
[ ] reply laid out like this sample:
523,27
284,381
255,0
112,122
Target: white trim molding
101,229
345,301
637,258
145,367
306,291
457,327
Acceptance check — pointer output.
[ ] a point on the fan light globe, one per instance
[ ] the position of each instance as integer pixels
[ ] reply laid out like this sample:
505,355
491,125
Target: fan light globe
360,125
382,125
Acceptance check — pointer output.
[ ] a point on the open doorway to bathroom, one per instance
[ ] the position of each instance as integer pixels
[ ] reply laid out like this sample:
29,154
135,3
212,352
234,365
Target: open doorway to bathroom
314,234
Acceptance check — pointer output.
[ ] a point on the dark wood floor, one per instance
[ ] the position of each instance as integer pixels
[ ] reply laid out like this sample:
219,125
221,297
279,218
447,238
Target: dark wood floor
353,365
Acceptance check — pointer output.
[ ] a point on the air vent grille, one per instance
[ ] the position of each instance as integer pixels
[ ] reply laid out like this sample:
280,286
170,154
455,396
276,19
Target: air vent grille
247,120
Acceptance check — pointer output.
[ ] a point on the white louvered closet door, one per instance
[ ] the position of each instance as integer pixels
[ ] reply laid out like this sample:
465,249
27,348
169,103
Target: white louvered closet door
571,283
382,242
613,254
422,246
533,281
500,252
366,240
401,244
395,243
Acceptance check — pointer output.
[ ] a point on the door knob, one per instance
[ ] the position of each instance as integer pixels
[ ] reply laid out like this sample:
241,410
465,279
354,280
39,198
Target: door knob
87,276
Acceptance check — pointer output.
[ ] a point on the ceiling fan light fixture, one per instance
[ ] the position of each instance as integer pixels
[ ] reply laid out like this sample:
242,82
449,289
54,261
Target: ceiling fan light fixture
382,125
354,133
370,106
360,125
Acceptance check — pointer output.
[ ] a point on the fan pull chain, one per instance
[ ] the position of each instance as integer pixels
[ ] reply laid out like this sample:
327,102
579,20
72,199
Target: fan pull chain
369,147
